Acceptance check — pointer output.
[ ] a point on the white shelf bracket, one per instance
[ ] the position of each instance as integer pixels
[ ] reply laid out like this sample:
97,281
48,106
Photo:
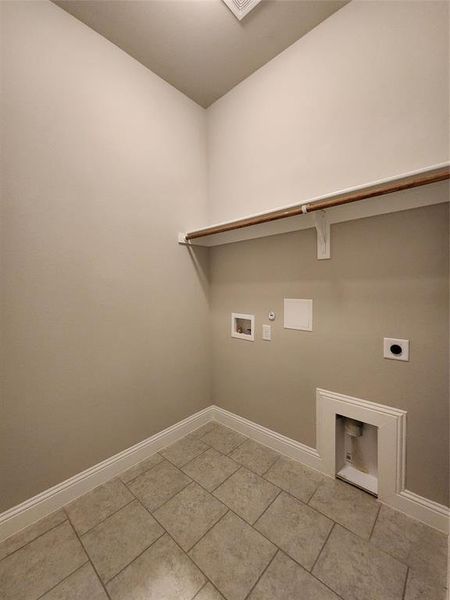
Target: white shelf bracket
322,226
182,239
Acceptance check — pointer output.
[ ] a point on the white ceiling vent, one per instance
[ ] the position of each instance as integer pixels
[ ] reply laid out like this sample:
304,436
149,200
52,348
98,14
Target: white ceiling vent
240,8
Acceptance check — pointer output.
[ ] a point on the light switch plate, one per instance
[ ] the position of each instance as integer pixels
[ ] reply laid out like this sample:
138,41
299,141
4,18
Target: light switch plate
267,333
298,314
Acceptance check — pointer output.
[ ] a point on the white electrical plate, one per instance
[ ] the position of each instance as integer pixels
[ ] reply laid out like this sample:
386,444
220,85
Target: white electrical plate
396,349
243,326
267,333
298,314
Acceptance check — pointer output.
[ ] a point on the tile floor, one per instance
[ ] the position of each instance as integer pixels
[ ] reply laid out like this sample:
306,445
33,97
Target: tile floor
217,516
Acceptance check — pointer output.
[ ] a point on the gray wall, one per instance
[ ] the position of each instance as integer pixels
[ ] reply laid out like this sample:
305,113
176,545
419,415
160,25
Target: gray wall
388,277
104,317
361,97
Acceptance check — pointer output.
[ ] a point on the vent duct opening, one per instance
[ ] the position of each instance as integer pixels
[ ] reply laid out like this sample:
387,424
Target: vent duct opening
241,8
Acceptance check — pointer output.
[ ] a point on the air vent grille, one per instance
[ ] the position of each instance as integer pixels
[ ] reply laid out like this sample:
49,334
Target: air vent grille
240,8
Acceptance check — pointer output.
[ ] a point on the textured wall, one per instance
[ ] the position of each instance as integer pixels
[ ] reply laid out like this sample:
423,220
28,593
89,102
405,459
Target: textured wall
388,277
104,316
362,97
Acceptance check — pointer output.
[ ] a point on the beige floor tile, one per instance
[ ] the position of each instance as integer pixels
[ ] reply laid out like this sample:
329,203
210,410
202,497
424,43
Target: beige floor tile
286,580
296,528
40,565
113,544
254,456
189,515
420,588
210,469
223,439
30,533
294,478
159,484
92,508
163,572
356,570
81,585
345,504
247,494
200,431
422,548
184,450
209,592
140,468
233,555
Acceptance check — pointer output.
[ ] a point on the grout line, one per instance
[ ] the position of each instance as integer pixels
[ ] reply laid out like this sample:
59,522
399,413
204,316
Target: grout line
64,579
172,496
202,588
206,532
232,511
266,509
238,446
210,492
319,485
184,552
323,546
165,532
180,467
143,472
267,470
208,580
34,539
136,557
151,511
105,519
374,523
239,467
404,585
89,558
272,465
325,515
262,573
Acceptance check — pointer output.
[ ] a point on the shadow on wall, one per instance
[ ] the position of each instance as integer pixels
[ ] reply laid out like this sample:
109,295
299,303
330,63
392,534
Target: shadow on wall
200,260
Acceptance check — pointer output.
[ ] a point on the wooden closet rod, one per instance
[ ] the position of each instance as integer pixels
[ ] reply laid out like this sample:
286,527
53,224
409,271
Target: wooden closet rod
362,193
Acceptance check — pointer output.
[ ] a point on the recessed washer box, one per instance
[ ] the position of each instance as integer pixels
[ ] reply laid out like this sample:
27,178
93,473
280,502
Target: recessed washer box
243,326
298,314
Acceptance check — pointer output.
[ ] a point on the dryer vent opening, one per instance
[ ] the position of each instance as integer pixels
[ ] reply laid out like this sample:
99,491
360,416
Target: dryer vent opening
357,453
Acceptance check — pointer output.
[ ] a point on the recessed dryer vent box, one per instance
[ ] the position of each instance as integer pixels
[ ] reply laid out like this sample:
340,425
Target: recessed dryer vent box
243,326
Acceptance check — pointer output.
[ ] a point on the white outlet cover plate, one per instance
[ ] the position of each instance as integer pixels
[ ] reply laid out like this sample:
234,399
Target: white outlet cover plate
388,342
267,332
298,314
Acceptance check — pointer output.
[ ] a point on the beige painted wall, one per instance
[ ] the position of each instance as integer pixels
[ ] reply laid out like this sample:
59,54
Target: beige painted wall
388,277
105,331
104,316
363,96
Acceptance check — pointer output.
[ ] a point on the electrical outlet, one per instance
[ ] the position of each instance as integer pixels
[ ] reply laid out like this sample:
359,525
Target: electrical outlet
396,349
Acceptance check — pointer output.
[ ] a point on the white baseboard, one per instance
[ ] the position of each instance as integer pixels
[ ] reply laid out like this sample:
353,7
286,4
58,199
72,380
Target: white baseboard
26,513
291,448
431,513
420,508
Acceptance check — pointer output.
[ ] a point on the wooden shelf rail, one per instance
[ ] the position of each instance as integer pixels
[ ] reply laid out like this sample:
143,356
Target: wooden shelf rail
396,184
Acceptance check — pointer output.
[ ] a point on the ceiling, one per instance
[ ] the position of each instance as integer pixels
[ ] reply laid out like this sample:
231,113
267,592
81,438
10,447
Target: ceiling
199,46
